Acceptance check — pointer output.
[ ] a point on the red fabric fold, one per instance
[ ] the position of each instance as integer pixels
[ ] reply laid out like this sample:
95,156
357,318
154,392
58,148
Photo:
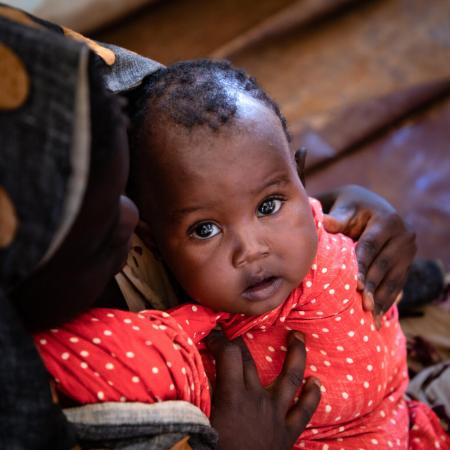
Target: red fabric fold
111,355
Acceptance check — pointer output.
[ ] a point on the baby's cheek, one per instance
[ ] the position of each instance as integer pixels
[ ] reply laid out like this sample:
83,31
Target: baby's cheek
300,249
210,285
300,240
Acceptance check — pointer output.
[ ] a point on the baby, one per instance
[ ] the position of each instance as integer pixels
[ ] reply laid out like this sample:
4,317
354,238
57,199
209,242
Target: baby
223,207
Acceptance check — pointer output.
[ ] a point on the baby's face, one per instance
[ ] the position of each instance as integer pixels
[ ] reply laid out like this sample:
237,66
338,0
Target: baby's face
234,223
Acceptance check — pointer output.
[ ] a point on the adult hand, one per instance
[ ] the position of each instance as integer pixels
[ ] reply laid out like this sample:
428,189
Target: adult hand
246,415
385,249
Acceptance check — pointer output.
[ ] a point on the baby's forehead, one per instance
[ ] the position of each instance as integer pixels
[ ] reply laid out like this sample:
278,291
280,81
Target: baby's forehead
174,150
205,169
192,151
251,117
171,142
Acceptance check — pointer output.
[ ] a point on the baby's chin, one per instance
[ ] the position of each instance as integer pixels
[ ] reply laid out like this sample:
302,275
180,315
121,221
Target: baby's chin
258,310
255,308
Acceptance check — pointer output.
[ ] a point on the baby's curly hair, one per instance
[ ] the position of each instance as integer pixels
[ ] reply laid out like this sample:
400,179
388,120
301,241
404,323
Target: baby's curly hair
190,94
193,94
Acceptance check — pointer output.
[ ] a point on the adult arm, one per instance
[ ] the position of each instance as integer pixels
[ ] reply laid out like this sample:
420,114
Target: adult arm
246,415
386,246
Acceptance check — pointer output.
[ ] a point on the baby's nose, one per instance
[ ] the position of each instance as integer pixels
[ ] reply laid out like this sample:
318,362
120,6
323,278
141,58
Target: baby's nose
249,248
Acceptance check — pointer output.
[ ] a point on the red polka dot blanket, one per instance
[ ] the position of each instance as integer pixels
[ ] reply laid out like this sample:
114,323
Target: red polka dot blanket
109,355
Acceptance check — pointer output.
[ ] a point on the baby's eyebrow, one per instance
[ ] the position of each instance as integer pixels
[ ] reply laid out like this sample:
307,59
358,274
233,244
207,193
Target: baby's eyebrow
178,214
275,181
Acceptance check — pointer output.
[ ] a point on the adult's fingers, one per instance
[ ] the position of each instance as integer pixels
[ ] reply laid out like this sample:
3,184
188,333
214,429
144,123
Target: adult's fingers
340,219
380,268
387,274
379,232
346,217
229,365
369,245
291,376
250,373
389,269
333,224
301,413
389,290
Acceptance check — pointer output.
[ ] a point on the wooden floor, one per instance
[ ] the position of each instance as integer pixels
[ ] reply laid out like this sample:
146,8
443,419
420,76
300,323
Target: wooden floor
311,67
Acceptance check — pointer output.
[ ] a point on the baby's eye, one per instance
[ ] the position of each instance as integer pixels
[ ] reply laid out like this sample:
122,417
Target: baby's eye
269,206
205,230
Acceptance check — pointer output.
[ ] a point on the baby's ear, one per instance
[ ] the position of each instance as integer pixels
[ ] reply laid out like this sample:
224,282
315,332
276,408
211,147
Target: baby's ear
144,231
300,160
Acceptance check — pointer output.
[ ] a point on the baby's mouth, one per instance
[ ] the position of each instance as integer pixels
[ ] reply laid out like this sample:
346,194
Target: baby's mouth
261,288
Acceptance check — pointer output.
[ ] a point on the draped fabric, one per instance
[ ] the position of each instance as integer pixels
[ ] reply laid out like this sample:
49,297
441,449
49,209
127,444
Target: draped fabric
43,174
362,370
143,280
43,169
112,355
52,132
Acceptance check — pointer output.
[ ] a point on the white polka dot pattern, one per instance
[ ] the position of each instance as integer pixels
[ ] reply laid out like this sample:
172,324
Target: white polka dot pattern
124,368
152,356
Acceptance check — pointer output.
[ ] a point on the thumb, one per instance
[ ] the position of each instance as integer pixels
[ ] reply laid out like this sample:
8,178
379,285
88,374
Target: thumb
338,219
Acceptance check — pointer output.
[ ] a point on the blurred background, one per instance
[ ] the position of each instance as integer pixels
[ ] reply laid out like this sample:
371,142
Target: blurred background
365,85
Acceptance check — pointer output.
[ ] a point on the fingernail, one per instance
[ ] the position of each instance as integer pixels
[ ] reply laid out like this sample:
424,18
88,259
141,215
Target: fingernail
377,322
369,300
378,311
316,381
360,282
398,299
299,336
